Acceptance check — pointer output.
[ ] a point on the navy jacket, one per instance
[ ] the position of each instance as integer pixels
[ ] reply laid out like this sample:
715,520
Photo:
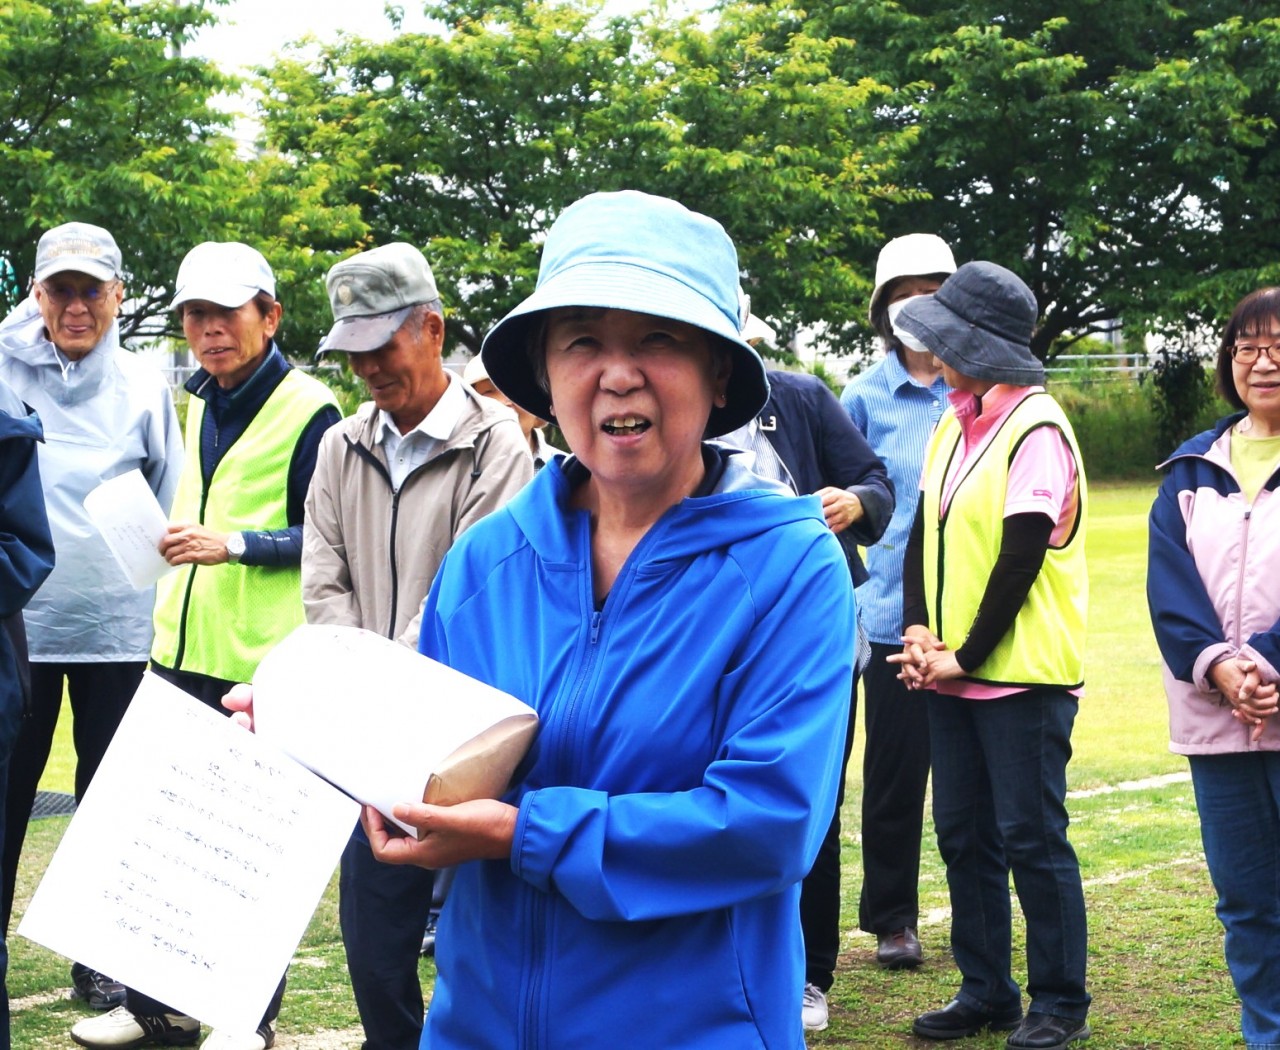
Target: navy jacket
814,436
26,549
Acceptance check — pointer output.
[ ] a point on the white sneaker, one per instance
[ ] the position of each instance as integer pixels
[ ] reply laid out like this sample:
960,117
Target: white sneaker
121,1028
813,1009
221,1039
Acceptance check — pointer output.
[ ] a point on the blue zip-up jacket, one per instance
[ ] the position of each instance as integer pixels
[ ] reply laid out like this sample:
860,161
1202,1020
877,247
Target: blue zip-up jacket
1213,589
691,741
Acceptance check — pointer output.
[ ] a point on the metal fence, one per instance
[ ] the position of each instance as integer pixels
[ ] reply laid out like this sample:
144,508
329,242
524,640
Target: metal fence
1095,367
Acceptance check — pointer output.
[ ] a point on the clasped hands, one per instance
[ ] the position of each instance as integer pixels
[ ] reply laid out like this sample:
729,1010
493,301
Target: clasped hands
925,659
1252,700
481,829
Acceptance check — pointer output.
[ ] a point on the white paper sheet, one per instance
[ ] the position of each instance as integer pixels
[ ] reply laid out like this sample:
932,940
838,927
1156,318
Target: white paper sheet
375,717
128,515
194,863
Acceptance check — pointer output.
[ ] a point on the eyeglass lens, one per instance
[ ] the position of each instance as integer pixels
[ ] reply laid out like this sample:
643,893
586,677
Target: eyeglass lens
63,294
1247,353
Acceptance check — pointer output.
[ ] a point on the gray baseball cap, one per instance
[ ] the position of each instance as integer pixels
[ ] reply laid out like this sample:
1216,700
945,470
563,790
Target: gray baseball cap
79,247
372,293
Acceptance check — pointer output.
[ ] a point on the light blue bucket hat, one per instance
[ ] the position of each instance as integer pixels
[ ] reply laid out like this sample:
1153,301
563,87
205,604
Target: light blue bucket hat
633,251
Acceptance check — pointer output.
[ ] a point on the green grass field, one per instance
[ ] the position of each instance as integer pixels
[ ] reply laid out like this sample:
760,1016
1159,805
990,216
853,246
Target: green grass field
1156,966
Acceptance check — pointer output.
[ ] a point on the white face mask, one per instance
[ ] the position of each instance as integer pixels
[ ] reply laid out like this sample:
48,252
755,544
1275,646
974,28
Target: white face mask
906,338
896,308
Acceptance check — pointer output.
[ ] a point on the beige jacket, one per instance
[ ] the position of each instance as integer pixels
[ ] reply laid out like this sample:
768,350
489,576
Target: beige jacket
369,554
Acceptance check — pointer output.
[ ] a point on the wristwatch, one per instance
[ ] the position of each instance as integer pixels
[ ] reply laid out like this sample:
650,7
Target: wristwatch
235,547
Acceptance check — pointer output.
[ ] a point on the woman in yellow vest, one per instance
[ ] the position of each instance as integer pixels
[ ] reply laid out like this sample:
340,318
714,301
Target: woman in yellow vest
995,594
254,424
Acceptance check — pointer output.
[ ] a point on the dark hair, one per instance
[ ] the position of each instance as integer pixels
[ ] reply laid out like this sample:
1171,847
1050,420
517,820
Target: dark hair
536,344
1254,315
880,312
262,301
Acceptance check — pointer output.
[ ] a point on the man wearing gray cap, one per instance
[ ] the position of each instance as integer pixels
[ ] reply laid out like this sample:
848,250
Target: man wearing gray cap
105,412
394,487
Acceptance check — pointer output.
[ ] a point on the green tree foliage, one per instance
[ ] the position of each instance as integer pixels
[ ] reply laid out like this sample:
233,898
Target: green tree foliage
470,142
103,121
1120,155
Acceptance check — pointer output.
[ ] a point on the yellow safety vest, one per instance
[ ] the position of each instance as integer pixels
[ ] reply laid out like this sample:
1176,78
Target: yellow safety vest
220,620
1045,645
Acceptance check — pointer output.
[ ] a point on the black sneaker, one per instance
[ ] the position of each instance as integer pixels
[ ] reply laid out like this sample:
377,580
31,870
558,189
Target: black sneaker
96,989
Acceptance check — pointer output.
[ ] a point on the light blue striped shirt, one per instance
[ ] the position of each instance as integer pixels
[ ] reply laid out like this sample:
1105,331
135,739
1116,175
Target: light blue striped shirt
896,415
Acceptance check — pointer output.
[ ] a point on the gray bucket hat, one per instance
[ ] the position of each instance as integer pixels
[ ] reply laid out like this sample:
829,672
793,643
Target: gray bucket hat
979,323
633,251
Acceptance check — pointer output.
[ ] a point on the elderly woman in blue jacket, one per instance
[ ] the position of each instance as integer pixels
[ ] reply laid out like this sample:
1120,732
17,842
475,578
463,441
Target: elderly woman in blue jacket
1214,595
685,634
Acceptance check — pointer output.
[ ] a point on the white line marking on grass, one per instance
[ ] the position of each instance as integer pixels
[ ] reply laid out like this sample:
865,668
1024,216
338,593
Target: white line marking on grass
1164,780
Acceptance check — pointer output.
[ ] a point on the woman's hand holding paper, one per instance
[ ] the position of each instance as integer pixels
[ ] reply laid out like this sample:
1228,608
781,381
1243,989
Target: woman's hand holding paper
482,829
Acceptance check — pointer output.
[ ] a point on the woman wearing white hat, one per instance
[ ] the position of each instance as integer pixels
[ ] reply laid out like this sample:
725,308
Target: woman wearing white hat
896,403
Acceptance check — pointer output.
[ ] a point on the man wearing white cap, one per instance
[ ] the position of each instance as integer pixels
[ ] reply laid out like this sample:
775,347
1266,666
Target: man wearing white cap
105,412
254,424
394,486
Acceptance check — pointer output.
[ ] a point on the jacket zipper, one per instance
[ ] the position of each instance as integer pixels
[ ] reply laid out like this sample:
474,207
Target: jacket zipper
359,448
1244,550
191,582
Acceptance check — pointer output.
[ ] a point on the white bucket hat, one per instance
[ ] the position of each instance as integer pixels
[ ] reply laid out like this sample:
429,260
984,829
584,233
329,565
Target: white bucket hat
912,255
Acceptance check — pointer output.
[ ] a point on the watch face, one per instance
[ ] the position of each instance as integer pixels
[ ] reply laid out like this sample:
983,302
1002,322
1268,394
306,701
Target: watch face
235,546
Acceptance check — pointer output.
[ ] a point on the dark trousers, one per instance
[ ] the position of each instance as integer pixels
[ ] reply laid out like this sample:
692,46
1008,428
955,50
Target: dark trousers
145,1006
895,774
895,778
10,720
100,695
820,890
999,807
383,911
210,692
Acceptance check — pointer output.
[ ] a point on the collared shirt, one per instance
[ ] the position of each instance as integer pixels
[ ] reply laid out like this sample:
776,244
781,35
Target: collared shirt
1042,476
406,452
896,415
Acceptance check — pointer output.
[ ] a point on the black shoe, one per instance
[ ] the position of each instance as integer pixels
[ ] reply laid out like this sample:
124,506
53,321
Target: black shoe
958,1021
1046,1032
899,950
96,989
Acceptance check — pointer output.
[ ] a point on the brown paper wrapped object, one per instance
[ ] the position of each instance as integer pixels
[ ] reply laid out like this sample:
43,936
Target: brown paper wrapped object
483,766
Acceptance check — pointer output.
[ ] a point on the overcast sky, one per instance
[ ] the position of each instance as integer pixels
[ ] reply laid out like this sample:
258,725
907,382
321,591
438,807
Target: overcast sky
251,31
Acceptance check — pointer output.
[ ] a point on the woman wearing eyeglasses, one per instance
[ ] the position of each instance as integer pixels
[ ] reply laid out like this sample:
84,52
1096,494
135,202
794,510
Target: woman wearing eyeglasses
1214,594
